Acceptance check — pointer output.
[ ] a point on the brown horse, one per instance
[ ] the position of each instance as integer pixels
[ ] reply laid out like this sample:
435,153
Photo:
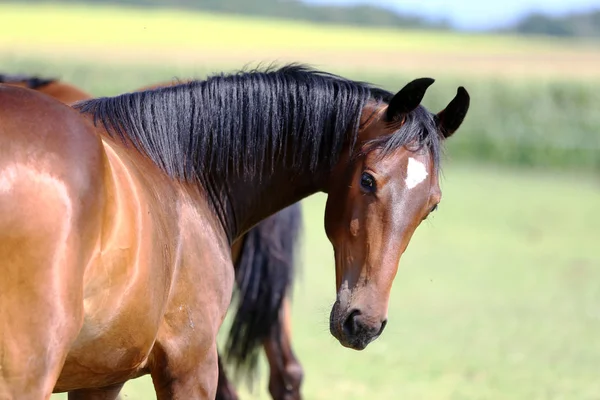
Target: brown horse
59,90
117,217
264,261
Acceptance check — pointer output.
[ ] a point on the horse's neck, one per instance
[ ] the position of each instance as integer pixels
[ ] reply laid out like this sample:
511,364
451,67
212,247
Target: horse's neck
247,201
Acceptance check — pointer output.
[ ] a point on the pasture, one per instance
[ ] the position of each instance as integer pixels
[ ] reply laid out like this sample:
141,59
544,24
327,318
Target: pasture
497,295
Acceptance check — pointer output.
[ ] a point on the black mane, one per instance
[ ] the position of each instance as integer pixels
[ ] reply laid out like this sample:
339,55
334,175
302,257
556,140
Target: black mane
32,82
237,122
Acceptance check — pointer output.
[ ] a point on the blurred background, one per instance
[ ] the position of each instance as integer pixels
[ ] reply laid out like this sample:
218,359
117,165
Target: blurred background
498,294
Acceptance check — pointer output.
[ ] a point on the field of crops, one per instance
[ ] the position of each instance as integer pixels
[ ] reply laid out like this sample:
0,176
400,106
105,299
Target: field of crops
497,296
190,38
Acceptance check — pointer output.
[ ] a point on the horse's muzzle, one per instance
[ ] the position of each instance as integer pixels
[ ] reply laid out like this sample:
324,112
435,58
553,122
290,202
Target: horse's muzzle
353,329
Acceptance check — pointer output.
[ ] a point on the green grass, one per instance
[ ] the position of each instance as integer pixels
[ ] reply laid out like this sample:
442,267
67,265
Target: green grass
496,298
108,26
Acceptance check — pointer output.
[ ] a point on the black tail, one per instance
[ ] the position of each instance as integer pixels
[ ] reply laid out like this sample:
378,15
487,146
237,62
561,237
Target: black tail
32,82
264,274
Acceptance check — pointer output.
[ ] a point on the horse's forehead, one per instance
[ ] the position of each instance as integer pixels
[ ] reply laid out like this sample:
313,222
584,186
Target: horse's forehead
403,159
412,169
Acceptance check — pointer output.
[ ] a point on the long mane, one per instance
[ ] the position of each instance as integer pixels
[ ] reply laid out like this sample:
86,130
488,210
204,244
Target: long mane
238,123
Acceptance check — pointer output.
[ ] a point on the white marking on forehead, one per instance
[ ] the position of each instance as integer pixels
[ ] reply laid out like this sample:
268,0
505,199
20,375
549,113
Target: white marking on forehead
415,173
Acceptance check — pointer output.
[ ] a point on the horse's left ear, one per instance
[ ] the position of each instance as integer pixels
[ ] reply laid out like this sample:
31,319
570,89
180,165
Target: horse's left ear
450,118
408,98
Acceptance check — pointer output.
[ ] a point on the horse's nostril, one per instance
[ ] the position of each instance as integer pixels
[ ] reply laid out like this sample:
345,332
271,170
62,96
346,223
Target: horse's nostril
383,324
350,327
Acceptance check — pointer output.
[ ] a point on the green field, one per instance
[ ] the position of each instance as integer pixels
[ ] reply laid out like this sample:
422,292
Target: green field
102,26
128,35
497,296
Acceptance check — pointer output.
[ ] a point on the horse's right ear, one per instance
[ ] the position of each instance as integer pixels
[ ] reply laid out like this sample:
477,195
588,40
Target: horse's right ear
408,98
450,118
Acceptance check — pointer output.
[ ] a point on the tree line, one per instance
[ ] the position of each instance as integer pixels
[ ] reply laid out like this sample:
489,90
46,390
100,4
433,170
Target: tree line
585,24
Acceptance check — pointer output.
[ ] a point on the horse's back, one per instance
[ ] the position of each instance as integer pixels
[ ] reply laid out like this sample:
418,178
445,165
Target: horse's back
50,205
64,92
39,127
51,163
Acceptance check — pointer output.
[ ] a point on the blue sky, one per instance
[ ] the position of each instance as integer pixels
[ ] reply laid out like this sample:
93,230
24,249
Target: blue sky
476,14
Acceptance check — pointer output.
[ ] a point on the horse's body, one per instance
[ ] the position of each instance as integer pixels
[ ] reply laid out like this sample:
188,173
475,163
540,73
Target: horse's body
117,217
264,260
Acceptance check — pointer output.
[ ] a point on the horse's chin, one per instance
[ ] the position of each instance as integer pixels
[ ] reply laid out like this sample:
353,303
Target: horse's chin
356,344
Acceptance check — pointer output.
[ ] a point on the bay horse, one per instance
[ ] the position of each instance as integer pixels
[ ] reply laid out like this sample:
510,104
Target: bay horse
264,261
117,216
62,91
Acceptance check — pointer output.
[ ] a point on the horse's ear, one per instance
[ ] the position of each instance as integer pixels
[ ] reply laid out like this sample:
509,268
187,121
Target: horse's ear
450,118
408,98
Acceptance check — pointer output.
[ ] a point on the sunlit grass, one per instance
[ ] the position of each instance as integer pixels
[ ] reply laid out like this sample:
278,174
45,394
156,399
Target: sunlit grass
157,36
80,25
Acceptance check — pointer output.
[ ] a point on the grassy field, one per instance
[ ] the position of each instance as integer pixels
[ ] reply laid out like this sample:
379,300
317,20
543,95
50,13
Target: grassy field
496,298
153,36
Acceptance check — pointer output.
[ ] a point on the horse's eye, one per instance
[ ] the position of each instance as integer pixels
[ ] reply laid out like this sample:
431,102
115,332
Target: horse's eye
367,182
